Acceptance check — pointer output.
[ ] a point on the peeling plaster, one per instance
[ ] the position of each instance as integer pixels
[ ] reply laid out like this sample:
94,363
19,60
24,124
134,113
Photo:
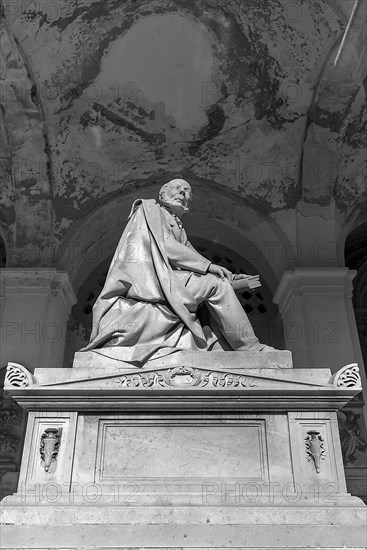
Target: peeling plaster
248,132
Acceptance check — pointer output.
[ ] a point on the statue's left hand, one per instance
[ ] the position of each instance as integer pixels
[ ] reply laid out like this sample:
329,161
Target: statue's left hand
220,271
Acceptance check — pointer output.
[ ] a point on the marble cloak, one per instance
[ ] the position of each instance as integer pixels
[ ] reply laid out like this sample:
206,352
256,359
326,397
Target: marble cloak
144,309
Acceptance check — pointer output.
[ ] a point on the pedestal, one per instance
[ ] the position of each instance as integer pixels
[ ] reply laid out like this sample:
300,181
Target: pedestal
244,454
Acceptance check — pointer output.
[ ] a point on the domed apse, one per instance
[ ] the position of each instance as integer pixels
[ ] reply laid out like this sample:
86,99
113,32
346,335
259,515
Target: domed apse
167,59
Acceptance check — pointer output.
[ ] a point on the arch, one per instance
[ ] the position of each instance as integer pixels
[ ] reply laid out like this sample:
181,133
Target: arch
216,217
357,218
263,312
27,159
356,258
6,244
2,252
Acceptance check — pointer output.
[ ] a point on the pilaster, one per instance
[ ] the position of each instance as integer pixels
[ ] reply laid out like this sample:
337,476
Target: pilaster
318,317
320,329
35,307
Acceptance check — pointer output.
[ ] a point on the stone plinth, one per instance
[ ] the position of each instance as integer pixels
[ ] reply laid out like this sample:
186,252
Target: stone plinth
110,357
183,456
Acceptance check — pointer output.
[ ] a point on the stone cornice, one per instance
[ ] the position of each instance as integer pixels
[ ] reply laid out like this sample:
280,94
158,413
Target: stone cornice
184,388
302,281
38,281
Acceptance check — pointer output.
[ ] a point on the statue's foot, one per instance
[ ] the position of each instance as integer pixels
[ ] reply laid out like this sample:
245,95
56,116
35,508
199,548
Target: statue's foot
258,347
268,348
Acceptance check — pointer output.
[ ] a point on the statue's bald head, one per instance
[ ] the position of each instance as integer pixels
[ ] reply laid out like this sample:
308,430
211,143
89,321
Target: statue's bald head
176,195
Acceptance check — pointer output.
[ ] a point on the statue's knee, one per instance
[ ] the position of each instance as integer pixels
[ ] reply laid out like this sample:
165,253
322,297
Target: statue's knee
217,283
213,280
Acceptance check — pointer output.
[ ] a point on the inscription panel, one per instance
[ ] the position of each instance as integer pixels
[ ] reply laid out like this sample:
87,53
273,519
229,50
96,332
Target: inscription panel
181,450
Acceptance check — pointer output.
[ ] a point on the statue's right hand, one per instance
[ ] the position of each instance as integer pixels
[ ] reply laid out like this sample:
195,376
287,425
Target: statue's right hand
220,271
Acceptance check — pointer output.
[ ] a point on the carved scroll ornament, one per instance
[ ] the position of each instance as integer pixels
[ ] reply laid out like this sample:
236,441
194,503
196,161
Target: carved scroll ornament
17,376
348,377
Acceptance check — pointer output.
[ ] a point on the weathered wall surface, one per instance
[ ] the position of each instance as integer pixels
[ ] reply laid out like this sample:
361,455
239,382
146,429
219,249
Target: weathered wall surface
115,96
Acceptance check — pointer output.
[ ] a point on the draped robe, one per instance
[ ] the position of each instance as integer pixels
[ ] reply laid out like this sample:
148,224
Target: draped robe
145,308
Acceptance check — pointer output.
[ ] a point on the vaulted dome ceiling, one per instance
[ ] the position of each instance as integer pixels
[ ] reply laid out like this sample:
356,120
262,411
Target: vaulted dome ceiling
243,97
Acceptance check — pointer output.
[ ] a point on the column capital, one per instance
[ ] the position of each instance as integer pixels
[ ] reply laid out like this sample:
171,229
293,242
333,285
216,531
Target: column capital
38,281
36,305
313,280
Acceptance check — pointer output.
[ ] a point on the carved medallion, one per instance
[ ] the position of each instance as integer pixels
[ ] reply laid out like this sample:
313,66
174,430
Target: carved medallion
185,377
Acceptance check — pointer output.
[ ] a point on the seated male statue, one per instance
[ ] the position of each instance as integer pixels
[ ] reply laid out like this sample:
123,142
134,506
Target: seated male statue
155,284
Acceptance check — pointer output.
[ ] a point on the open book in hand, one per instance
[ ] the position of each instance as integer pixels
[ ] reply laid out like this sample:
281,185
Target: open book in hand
243,282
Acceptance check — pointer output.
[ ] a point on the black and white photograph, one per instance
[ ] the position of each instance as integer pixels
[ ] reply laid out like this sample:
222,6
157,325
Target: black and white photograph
183,275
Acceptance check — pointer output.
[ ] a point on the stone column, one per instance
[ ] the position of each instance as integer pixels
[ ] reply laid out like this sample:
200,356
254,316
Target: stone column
318,317
35,307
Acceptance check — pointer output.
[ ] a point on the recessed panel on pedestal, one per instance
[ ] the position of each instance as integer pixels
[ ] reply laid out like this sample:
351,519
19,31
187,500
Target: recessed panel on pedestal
180,449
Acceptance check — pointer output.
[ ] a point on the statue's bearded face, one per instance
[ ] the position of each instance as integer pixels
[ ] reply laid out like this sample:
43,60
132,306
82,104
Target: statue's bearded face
177,195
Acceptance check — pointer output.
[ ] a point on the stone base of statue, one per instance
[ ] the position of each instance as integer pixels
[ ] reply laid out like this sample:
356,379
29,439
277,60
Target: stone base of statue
197,450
